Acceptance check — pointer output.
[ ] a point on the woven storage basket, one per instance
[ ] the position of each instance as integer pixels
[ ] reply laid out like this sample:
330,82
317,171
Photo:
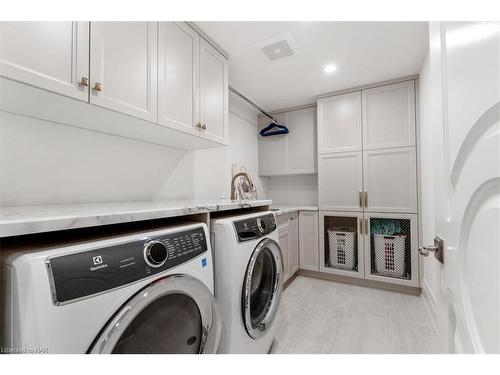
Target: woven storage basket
341,243
390,255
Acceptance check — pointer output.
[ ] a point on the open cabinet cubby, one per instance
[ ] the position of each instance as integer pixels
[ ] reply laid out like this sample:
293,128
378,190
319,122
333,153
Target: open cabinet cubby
375,246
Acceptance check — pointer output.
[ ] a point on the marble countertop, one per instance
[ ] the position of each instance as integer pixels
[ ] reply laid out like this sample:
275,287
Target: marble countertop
281,209
16,221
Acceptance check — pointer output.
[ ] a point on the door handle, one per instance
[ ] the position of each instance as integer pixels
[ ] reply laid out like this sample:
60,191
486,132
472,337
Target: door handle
366,198
437,249
360,198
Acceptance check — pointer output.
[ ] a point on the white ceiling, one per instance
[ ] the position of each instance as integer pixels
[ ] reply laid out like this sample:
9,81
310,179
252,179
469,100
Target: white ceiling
364,52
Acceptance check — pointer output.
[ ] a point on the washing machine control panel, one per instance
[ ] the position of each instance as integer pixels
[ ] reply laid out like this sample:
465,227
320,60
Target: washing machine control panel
82,274
255,227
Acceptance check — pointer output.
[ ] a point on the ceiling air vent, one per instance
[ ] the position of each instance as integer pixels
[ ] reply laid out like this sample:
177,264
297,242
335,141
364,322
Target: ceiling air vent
278,47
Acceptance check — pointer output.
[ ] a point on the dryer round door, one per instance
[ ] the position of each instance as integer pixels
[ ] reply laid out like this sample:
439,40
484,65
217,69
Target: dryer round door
262,288
174,315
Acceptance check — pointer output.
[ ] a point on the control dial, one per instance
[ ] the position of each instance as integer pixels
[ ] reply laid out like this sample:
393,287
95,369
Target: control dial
155,253
261,224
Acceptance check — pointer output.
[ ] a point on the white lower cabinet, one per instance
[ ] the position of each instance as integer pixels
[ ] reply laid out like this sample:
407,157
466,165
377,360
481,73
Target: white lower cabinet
374,246
288,229
308,240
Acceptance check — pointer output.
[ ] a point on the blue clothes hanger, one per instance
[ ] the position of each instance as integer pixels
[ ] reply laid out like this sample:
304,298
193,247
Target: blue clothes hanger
274,129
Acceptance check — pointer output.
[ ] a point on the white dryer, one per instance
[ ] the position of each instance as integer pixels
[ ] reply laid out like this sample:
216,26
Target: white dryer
248,280
148,291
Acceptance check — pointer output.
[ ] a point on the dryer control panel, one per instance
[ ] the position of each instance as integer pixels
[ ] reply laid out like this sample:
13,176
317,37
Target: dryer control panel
82,274
255,227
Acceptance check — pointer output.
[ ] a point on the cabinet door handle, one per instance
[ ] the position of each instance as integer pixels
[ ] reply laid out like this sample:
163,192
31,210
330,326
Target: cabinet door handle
198,125
98,87
366,198
361,228
84,81
204,127
366,226
360,198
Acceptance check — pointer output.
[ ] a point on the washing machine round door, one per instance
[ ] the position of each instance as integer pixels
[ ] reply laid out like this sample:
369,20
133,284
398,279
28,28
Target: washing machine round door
262,288
174,315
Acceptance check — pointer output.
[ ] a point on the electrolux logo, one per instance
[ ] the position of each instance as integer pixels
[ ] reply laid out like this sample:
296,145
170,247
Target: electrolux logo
98,263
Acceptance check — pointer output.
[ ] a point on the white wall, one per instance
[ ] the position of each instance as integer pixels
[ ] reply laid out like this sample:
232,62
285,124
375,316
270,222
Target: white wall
212,168
302,190
47,163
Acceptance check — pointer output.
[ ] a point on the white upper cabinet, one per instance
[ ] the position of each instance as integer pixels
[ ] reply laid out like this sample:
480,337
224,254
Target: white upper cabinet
123,67
272,151
339,123
301,141
214,90
340,181
49,55
390,180
178,67
389,116
293,153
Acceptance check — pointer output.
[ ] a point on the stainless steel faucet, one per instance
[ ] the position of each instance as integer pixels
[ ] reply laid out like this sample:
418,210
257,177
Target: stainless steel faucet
233,188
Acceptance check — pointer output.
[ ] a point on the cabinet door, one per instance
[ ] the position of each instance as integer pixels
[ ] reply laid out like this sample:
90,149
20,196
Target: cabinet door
123,67
272,150
301,152
340,181
339,123
293,249
50,55
389,116
308,240
178,63
284,241
390,180
341,243
214,88
391,245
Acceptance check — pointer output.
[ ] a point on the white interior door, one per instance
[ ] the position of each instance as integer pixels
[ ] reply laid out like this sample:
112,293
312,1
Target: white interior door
389,116
467,183
340,181
339,123
178,64
50,55
390,180
214,90
123,67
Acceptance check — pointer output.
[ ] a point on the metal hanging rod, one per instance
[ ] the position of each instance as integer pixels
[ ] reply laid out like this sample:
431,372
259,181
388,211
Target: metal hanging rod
251,103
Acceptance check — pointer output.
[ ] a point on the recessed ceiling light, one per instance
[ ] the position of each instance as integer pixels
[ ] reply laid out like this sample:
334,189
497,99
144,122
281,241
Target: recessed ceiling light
330,68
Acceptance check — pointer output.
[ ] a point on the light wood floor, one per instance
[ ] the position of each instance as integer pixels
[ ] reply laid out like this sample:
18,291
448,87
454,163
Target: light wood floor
319,316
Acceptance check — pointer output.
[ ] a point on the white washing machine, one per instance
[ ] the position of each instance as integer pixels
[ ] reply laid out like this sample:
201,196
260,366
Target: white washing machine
148,291
248,280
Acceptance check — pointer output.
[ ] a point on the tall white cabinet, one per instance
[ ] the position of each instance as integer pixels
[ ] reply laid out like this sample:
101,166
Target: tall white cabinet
367,181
